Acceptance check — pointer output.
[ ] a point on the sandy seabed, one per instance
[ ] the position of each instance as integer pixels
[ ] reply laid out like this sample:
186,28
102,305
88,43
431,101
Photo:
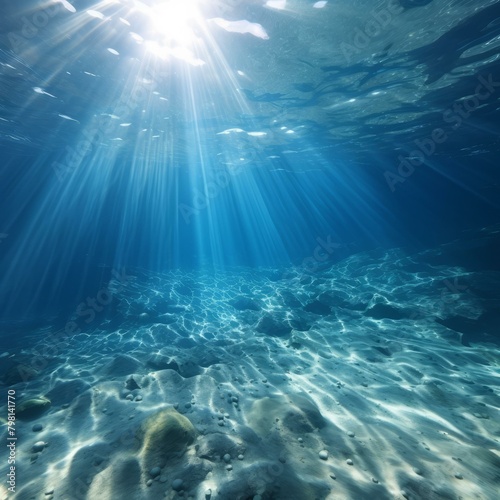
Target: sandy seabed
353,382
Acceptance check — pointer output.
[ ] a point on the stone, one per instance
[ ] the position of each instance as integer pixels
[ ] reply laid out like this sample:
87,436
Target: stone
38,446
32,408
165,435
155,471
177,484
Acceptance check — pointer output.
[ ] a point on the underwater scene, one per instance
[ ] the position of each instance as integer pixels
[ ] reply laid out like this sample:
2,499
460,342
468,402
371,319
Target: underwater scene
250,249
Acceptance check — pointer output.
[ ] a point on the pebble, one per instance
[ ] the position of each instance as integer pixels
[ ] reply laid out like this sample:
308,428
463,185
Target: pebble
459,476
138,398
349,462
155,471
240,457
129,397
283,460
187,406
300,440
323,454
351,434
149,482
38,446
221,423
229,467
227,458
208,493
177,484
49,492
416,470
333,476
375,480
37,428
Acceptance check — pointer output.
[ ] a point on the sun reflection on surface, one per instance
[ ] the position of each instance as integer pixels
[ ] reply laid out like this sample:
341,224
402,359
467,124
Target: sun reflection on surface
173,20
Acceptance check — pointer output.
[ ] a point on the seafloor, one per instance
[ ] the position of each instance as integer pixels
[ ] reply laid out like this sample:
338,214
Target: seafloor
388,362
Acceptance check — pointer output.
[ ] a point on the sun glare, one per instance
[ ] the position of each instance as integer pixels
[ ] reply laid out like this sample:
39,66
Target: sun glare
174,20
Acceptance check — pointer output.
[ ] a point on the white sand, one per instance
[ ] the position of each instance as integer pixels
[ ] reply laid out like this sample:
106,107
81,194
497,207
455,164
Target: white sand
415,411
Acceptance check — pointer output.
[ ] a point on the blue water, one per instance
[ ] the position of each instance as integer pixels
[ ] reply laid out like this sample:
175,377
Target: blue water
160,193
241,159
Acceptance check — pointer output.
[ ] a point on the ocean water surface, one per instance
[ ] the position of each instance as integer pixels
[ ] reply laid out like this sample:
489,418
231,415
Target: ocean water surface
249,249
